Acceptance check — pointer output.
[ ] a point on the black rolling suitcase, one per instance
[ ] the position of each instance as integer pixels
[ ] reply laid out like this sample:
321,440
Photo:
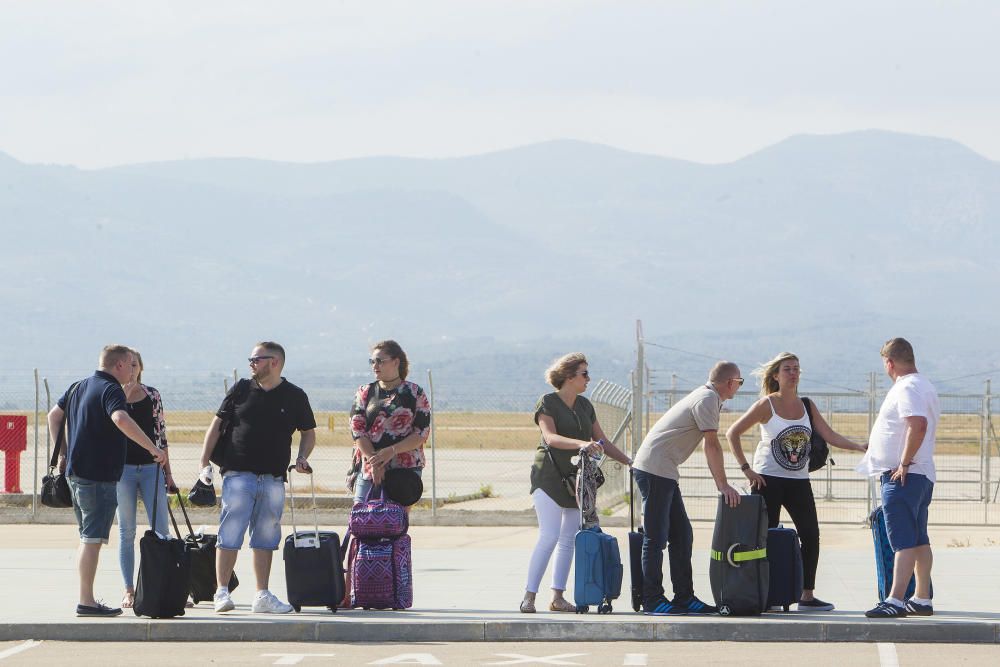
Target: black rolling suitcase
314,564
738,570
164,572
202,549
634,548
784,557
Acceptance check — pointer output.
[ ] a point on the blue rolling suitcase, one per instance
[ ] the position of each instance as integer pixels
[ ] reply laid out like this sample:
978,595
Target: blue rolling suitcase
784,557
885,558
598,565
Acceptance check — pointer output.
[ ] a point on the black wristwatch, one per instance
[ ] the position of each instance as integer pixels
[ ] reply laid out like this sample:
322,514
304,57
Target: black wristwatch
744,467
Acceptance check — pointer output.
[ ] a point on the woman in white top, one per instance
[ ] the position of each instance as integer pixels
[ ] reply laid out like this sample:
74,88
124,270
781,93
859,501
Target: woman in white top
780,469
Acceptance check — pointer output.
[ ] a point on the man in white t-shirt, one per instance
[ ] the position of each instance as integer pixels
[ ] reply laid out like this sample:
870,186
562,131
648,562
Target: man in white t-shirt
674,437
901,453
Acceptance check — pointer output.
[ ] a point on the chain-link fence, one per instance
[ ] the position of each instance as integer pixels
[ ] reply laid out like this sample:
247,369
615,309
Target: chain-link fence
482,444
967,453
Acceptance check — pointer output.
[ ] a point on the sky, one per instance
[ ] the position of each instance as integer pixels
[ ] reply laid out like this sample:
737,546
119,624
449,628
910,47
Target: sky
101,83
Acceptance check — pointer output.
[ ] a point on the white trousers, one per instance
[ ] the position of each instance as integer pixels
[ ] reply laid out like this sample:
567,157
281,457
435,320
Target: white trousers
557,526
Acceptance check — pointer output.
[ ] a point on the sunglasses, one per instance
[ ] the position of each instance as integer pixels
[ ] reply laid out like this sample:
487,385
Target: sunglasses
739,381
257,360
585,374
378,361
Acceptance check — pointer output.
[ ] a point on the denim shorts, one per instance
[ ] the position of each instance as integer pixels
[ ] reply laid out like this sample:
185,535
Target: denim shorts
363,486
251,501
94,504
905,507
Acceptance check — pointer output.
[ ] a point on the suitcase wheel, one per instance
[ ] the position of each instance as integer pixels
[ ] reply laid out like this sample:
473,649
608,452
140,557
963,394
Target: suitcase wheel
297,608
724,610
786,607
604,608
333,609
582,608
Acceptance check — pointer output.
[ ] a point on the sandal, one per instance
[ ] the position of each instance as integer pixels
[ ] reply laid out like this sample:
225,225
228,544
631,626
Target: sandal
527,606
128,600
562,604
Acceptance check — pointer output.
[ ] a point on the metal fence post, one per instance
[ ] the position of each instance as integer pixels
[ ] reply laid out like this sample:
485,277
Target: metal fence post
637,387
984,446
48,406
829,468
34,480
430,398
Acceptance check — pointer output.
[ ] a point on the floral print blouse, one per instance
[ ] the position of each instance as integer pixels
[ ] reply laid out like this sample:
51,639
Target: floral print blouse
399,412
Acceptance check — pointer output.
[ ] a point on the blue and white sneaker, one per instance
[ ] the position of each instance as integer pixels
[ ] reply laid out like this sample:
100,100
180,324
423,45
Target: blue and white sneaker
665,608
886,610
917,609
696,606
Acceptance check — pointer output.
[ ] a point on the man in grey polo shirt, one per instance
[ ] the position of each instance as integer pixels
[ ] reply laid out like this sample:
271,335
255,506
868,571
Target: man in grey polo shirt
668,444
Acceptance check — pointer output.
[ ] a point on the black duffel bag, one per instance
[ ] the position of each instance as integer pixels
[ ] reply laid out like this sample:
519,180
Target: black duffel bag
202,548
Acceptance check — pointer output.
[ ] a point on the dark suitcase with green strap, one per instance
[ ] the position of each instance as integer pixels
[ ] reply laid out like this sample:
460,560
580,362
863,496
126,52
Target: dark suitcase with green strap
739,571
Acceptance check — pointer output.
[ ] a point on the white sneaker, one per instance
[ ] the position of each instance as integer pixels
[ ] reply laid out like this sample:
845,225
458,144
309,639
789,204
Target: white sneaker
267,602
223,602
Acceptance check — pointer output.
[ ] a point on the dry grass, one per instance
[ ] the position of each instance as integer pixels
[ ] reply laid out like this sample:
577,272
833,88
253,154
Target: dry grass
957,434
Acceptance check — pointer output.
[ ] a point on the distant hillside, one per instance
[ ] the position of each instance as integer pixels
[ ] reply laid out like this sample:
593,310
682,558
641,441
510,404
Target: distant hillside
824,241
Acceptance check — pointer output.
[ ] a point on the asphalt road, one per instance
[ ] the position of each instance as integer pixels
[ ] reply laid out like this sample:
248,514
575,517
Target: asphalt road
604,653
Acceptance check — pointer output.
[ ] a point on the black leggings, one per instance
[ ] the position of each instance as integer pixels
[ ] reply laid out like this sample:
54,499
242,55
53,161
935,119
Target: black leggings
796,496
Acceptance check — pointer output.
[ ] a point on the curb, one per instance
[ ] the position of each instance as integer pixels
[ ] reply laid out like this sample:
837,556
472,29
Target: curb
358,630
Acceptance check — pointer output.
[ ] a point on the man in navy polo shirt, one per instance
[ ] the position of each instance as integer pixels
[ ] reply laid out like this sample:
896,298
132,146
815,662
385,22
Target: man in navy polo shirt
98,427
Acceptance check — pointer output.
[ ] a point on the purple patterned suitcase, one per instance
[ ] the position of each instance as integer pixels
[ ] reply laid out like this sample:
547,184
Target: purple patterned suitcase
382,573
378,517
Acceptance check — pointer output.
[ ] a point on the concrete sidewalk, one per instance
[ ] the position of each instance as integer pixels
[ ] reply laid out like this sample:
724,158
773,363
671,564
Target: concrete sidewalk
469,581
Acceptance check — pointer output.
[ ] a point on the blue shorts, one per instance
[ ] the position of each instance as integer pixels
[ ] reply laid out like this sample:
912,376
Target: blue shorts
94,504
905,508
251,501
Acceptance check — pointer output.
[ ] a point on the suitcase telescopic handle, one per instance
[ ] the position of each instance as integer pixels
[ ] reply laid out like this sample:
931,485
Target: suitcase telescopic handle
291,497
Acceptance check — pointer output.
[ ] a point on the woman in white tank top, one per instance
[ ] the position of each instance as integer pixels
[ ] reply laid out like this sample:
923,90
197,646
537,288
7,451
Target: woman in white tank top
780,469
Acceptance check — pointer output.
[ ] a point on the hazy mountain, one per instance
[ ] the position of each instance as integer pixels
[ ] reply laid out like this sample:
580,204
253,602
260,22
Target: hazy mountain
827,244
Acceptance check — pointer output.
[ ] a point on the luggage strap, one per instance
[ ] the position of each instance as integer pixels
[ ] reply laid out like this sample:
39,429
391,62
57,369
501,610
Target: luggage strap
735,557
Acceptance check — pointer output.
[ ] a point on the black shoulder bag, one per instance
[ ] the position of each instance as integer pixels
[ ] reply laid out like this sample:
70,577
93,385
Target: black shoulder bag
239,392
819,451
55,488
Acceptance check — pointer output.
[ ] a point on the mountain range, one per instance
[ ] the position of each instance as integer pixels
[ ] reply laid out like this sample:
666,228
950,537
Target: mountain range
487,266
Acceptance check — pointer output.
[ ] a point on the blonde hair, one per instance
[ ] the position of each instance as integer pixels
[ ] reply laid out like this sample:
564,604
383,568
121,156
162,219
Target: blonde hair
138,358
767,371
564,368
899,350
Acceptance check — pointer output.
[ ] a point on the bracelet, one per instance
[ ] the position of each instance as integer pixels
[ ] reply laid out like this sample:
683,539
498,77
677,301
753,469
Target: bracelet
744,467
906,465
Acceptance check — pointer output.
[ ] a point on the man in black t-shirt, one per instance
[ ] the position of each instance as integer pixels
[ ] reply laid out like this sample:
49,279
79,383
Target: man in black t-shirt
260,416
93,457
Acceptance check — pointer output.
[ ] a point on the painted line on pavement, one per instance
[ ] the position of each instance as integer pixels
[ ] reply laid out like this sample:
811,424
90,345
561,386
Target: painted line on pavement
14,650
887,656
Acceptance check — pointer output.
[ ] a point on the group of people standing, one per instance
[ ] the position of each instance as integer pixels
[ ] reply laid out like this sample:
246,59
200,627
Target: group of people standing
899,452
115,451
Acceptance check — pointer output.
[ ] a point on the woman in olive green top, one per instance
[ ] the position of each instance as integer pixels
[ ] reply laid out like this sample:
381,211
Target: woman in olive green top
569,427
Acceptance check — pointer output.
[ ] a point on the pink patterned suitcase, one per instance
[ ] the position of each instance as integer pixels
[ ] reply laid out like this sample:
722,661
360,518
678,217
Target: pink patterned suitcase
381,573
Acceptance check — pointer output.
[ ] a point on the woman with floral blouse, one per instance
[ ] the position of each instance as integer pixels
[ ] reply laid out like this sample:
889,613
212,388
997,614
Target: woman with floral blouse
390,420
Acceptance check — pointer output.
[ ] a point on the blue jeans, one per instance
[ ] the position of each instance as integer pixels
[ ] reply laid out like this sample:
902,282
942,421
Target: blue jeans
664,520
94,504
251,501
138,480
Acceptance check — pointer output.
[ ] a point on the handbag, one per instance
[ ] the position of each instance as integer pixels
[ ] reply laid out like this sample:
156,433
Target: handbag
239,392
819,451
55,488
569,481
377,517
